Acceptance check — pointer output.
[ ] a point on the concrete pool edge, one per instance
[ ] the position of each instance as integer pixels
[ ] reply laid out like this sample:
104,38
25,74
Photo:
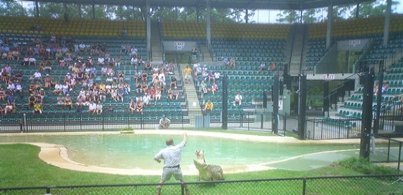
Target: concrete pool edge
57,155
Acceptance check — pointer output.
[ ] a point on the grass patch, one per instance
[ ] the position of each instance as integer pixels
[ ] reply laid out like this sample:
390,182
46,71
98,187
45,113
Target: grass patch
365,167
21,167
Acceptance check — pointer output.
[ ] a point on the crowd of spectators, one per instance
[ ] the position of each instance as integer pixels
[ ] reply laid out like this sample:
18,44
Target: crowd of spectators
92,76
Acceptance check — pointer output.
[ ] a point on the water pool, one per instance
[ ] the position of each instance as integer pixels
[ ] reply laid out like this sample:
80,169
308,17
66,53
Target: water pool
127,151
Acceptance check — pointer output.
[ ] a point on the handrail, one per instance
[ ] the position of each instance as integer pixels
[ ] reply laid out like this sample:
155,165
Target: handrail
366,49
340,85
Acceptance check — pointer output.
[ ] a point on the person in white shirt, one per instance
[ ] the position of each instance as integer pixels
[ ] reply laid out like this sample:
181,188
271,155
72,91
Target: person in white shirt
146,98
92,108
171,155
238,99
164,122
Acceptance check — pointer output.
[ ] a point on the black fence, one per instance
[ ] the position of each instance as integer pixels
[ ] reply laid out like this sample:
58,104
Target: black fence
387,150
328,128
30,122
381,184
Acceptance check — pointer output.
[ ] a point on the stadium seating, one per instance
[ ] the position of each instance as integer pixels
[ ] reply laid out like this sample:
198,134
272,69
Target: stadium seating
44,26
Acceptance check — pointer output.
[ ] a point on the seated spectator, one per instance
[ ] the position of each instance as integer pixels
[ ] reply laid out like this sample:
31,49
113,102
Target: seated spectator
10,98
175,94
140,106
262,66
272,67
208,106
8,108
170,94
48,81
231,63
58,89
146,98
59,100
38,107
238,99
1,110
226,61
99,108
203,87
132,106
2,94
157,94
164,122
214,88
25,61
211,77
32,61
68,102
37,76
148,66
92,108
173,82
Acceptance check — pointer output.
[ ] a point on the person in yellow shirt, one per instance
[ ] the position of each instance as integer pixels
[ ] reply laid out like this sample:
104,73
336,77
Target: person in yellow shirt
208,106
187,71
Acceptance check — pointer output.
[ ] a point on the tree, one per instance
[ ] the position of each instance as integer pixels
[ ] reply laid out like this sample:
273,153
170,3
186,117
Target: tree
288,16
309,16
13,8
368,9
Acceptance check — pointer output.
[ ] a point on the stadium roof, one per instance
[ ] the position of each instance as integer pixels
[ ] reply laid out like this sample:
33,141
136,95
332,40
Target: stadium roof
240,4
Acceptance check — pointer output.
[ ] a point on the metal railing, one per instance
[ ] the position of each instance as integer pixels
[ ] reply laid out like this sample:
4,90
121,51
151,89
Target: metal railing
327,128
30,122
387,150
380,184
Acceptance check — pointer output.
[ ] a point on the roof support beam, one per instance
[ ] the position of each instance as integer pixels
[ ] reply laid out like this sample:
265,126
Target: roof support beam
148,29
36,8
387,22
329,30
208,23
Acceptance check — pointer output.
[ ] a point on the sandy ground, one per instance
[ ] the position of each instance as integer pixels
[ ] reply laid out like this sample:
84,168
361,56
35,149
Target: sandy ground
57,155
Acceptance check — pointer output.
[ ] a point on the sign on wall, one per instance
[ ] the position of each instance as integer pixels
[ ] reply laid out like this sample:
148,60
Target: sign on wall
179,46
353,44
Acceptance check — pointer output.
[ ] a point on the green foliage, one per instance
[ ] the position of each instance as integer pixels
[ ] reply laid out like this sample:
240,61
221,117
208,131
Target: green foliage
364,166
13,8
288,16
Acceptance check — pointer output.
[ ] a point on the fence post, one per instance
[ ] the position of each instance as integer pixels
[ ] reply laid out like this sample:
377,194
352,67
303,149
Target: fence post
182,188
241,120
388,149
321,130
103,121
261,121
64,123
142,121
182,119
25,122
314,130
248,120
285,122
128,122
48,191
303,186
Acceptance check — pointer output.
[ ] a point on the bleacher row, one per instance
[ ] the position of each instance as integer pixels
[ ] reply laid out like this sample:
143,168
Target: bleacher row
52,110
392,92
249,44
74,27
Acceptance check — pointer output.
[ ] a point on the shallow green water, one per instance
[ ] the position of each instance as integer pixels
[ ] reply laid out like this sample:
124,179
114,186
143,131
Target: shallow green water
130,150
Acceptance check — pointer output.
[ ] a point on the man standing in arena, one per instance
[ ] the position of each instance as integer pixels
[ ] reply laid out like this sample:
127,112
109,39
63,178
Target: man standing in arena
172,158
